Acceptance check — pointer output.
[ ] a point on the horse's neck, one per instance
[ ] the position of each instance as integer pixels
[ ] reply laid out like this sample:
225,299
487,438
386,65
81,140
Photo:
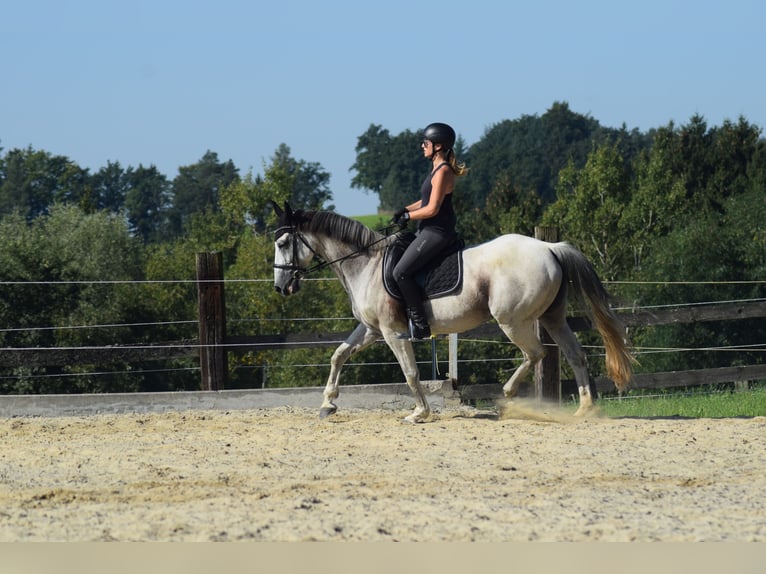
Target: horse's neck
350,262
329,249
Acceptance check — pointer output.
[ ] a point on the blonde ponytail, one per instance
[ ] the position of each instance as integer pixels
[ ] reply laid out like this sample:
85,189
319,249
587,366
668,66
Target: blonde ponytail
458,168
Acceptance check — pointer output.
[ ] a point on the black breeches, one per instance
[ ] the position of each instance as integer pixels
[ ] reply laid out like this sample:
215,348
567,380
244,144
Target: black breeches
424,248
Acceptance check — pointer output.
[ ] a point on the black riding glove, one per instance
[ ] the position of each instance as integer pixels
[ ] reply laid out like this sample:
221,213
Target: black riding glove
401,217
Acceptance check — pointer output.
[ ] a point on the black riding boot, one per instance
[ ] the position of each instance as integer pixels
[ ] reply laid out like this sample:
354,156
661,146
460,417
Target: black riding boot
419,328
413,302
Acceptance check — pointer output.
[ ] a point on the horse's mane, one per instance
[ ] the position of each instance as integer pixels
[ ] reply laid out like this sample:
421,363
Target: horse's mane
340,228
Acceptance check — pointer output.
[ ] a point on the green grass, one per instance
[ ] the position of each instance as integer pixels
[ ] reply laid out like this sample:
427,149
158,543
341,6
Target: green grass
719,404
375,221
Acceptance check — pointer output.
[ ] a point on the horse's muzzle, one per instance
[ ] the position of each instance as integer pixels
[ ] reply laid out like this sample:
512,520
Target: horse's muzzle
292,287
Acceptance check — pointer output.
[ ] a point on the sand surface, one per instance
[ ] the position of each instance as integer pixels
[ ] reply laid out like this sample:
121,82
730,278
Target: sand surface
469,475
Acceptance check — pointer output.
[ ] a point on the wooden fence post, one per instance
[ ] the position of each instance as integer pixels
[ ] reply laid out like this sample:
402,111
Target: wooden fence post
212,321
548,371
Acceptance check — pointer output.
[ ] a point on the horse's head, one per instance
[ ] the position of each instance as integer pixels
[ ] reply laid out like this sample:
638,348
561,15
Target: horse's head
292,254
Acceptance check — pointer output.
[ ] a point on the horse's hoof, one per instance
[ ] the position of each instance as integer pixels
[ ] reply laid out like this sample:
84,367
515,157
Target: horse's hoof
588,412
509,394
325,412
417,418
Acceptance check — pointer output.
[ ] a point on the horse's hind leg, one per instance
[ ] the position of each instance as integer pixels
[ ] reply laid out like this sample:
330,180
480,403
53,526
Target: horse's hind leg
359,339
557,327
524,337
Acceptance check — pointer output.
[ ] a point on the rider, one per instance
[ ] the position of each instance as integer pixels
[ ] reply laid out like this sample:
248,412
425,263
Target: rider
436,221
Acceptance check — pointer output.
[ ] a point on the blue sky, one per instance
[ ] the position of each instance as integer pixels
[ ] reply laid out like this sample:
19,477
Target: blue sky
161,82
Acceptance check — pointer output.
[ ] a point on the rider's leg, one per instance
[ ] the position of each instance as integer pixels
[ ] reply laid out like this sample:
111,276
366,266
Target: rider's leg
426,245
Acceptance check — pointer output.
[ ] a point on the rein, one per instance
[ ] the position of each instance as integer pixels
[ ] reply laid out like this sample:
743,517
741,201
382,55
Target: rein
299,271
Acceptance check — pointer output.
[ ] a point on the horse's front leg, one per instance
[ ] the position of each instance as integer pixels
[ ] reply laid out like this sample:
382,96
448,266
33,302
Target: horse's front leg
361,338
405,355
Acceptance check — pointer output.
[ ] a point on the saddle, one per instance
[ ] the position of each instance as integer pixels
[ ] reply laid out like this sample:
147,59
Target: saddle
442,277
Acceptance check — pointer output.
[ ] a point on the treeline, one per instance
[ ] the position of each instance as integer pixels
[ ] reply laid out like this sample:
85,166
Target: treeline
676,212
155,208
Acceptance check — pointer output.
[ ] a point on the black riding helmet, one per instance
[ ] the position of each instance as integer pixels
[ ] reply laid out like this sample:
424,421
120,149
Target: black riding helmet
441,134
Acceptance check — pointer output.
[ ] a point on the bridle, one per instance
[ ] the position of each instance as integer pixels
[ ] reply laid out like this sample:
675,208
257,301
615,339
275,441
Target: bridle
298,270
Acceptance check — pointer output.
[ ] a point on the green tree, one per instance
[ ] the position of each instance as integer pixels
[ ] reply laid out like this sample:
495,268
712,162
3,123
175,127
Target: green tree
147,203
589,208
372,159
247,201
714,254
109,187
508,209
307,182
527,155
698,215
689,172
196,188
401,185
745,217
62,261
388,166
657,199
529,152
31,181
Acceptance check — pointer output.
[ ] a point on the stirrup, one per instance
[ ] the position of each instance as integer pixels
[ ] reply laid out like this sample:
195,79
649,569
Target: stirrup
412,336
409,337
411,326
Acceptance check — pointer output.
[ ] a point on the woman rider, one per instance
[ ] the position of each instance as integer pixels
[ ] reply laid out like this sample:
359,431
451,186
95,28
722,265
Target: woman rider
436,221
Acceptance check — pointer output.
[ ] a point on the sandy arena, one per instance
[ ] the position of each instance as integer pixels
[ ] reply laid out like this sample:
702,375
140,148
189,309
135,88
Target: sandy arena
284,475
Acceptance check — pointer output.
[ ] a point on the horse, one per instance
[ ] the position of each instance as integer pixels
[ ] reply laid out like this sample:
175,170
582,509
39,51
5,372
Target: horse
514,279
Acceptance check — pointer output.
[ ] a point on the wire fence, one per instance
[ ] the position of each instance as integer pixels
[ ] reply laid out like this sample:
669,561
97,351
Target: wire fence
594,351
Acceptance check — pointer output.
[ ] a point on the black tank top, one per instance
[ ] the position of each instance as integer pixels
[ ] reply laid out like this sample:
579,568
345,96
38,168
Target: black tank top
445,219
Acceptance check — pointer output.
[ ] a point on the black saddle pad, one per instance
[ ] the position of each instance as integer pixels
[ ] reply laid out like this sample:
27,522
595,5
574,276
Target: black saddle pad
443,277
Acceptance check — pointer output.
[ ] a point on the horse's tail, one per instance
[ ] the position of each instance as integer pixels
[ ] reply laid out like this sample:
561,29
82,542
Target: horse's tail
587,287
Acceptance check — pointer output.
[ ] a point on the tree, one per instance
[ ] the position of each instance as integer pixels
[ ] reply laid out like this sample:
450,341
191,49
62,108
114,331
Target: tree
307,183
109,187
689,172
372,159
697,214
147,203
657,199
196,188
247,201
508,209
401,185
710,254
589,209
62,260
530,151
31,181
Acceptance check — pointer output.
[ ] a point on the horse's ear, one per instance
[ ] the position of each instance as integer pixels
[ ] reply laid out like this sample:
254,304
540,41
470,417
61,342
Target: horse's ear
288,211
277,209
